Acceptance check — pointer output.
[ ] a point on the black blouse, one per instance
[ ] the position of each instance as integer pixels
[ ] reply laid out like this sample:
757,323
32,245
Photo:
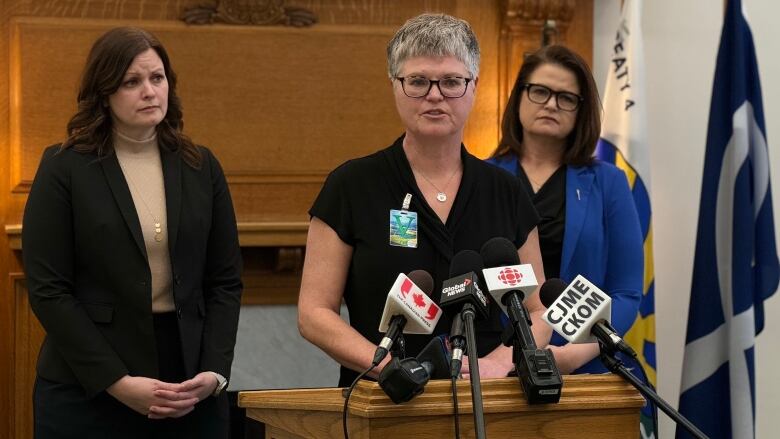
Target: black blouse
550,203
356,201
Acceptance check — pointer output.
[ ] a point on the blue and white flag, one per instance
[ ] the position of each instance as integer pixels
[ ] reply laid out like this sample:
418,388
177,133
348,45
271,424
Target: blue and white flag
624,143
735,267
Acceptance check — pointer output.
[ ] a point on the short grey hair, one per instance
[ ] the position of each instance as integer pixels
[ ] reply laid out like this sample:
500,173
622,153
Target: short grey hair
433,35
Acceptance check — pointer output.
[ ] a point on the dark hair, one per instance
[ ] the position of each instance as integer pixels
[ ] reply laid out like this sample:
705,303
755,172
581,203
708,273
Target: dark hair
89,130
587,127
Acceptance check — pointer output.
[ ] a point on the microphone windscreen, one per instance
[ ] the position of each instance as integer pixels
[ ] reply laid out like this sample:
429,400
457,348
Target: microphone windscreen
499,252
423,280
550,291
466,261
435,353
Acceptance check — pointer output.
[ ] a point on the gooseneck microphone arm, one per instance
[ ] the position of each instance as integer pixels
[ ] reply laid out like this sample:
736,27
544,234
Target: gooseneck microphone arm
469,314
607,356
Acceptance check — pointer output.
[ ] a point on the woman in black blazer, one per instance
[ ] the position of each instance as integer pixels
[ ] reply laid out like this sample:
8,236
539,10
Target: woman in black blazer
132,260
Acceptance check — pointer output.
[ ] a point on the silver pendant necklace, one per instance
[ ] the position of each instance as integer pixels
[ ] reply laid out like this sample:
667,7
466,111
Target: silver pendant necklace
441,196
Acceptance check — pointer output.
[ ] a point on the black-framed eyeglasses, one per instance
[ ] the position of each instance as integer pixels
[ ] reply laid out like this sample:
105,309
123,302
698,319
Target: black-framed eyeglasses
564,100
420,86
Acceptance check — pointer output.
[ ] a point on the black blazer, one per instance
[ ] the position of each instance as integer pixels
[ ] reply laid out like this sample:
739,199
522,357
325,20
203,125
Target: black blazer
89,280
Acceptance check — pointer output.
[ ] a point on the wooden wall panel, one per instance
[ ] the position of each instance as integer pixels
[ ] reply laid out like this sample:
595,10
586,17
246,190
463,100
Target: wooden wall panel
28,336
260,119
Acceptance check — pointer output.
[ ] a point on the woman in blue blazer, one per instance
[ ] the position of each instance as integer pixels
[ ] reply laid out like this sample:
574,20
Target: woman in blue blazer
132,260
589,224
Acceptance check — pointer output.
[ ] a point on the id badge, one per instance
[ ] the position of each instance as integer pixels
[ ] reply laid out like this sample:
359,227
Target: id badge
403,228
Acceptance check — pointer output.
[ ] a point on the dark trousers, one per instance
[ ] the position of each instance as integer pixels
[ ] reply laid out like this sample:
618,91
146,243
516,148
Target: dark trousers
63,411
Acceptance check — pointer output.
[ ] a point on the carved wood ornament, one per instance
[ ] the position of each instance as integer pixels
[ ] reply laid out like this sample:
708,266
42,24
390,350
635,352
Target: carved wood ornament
250,12
522,16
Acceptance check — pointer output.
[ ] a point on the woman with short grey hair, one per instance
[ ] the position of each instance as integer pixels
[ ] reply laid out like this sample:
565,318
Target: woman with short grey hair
412,206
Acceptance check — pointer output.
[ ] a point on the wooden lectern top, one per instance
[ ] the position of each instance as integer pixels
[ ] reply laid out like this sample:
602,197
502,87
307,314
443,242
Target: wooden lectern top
591,406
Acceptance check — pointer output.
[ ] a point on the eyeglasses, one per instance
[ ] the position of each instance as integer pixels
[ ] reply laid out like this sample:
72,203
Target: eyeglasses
539,94
420,86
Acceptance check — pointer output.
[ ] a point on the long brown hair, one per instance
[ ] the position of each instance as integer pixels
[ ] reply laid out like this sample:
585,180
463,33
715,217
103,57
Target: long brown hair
582,140
89,130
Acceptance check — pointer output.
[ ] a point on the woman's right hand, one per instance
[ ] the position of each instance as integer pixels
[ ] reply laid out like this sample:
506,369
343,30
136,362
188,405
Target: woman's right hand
138,393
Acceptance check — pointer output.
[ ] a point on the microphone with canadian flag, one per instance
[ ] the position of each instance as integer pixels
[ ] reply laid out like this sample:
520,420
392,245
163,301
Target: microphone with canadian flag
408,309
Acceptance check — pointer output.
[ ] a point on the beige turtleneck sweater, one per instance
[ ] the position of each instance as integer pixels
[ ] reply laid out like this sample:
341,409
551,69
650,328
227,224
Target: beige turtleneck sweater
141,165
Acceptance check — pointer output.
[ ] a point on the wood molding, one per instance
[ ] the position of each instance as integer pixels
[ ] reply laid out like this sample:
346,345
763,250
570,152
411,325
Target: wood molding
250,234
14,232
22,186
500,396
281,177
273,234
519,15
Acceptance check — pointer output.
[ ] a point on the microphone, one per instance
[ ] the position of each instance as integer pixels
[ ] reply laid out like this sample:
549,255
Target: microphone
460,291
509,283
404,379
506,274
581,313
408,309
464,285
463,293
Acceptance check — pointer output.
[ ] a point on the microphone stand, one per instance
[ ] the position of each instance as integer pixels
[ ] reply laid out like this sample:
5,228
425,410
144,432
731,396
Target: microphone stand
469,315
615,365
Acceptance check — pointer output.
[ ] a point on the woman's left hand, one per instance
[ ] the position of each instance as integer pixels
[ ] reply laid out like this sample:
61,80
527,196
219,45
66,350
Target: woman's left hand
200,386
489,367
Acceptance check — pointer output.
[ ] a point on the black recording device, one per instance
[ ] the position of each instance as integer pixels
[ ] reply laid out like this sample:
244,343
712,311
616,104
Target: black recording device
403,379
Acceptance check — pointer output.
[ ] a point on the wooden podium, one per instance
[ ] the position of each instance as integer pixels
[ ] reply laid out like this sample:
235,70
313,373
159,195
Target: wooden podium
591,406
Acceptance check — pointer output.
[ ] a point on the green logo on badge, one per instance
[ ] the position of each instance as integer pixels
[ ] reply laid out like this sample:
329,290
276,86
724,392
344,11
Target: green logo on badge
403,228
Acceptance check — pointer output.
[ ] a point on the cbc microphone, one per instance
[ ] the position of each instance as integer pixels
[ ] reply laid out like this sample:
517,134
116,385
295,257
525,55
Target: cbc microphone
581,313
505,274
408,309
510,284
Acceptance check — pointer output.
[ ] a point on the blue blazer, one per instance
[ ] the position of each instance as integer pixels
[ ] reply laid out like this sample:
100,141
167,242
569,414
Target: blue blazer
602,239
